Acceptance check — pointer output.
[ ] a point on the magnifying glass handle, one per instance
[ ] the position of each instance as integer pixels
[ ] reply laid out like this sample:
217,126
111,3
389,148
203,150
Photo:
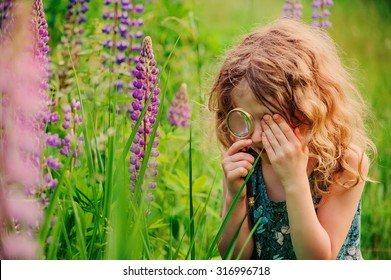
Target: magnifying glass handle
250,195
250,200
249,187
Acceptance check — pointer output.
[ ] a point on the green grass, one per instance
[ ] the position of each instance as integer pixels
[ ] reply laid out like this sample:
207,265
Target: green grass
92,214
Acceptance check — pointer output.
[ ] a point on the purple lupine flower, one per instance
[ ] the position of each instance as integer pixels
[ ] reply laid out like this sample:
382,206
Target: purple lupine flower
321,13
54,117
146,87
292,9
53,140
41,49
72,41
72,119
76,11
41,53
50,182
53,163
123,23
22,104
180,108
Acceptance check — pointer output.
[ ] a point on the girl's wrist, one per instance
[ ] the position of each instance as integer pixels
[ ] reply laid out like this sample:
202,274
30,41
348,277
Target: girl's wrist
297,184
230,198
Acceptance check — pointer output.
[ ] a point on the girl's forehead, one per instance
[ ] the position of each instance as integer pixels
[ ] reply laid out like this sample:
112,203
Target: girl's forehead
243,94
243,97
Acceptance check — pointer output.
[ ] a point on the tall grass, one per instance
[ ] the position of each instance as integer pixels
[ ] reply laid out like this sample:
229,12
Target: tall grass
93,214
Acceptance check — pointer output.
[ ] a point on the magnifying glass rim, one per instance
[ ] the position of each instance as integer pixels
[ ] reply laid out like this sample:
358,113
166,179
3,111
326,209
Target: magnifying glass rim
248,115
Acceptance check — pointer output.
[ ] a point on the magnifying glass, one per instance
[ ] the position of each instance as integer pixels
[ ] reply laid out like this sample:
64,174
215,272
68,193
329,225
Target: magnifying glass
240,123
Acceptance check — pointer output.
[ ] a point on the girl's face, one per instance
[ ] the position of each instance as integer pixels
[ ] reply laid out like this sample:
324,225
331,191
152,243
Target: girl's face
244,98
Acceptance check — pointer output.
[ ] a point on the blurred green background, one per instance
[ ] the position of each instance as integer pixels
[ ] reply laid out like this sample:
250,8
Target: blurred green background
206,29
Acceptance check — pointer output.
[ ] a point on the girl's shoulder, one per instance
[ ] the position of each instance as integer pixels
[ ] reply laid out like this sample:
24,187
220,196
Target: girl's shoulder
356,165
357,159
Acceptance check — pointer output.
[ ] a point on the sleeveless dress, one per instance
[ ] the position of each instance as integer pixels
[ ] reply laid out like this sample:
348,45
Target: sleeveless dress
272,237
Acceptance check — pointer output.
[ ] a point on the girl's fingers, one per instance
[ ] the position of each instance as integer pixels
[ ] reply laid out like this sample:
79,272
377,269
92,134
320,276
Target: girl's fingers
274,127
237,165
238,146
271,138
268,148
237,173
285,128
242,156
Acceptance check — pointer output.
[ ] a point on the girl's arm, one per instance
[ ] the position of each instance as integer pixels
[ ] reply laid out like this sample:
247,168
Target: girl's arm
321,235
314,235
236,166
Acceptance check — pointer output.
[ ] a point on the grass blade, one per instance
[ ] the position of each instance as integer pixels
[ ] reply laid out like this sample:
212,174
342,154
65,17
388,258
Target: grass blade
191,232
230,211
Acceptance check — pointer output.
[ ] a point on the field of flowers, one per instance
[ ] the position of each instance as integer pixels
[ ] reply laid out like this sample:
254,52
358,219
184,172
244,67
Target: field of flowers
107,146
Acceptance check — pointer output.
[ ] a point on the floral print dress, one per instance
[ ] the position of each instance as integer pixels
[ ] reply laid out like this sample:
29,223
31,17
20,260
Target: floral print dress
272,234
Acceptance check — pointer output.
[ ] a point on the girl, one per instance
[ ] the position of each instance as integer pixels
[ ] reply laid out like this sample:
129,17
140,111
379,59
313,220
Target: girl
307,124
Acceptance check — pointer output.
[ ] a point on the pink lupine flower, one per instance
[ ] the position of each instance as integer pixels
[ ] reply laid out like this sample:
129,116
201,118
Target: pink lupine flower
180,108
23,108
19,246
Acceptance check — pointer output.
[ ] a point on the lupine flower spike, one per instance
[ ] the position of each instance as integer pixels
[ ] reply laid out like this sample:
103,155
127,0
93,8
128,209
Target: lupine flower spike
23,107
71,41
180,108
41,55
292,9
61,109
321,14
123,23
145,88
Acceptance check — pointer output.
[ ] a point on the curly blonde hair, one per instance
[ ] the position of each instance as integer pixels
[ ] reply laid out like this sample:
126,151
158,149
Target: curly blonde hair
295,70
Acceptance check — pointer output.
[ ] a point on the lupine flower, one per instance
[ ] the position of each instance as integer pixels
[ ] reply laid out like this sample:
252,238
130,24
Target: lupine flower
72,40
23,104
292,9
40,29
53,163
26,108
180,108
42,50
72,120
18,246
122,23
145,87
53,140
321,14
76,11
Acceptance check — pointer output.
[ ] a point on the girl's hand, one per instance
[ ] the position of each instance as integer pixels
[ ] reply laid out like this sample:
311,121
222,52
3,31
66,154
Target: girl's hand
236,165
285,149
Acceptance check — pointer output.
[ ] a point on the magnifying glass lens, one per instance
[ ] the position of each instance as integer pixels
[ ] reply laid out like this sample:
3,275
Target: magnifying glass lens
239,123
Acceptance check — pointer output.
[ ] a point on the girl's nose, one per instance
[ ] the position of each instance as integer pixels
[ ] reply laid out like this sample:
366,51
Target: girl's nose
256,137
